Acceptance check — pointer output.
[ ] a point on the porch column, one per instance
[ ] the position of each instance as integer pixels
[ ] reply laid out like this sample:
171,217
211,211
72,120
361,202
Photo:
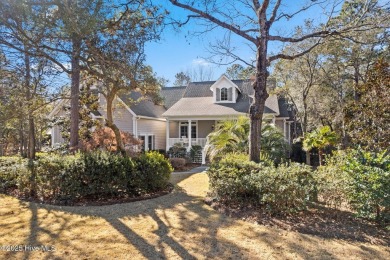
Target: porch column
284,129
203,157
189,135
289,132
167,134
52,136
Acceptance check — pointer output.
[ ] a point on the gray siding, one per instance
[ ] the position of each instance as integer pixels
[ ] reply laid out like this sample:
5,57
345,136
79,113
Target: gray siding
205,127
122,117
153,127
56,136
174,129
279,125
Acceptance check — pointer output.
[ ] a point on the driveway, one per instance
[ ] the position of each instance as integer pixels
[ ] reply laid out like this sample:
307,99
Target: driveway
175,226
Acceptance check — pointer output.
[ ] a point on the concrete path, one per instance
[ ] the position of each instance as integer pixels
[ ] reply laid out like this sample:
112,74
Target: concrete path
194,170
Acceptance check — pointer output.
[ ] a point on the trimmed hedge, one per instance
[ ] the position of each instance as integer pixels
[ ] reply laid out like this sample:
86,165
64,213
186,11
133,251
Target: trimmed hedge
89,175
283,189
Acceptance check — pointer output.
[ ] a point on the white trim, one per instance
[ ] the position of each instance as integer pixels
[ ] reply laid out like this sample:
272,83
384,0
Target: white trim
167,127
134,126
189,131
57,107
96,117
220,79
146,142
126,106
231,84
223,117
226,101
152,118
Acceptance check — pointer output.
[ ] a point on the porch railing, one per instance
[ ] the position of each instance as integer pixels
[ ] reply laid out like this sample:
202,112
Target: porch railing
185,141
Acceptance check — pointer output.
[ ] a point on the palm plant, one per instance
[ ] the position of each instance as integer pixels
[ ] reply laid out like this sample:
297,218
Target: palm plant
228,136
320,139
233,136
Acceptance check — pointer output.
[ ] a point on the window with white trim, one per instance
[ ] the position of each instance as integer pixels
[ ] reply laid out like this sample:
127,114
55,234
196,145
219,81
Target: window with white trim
184,129
224,94
147,142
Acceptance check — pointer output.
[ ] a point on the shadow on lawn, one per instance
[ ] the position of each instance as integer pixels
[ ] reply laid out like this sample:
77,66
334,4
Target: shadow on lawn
176,225
319,220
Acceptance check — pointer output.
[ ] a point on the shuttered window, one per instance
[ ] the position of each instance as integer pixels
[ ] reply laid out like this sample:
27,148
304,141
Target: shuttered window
224,94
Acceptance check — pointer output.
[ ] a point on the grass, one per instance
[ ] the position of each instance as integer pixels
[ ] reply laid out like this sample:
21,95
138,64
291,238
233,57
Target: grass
175,226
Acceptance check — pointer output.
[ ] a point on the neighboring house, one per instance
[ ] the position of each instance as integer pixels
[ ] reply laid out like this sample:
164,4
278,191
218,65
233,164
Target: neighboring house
189,113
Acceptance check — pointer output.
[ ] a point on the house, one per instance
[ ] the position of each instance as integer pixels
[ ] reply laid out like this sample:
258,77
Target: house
189,113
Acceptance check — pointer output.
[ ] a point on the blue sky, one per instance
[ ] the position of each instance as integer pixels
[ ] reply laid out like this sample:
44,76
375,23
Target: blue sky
180,51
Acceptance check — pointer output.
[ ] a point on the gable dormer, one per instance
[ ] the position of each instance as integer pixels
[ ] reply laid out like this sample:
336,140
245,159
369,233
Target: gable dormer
224,90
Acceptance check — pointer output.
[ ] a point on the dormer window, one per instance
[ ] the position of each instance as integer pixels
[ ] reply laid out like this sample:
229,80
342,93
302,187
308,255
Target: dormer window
224,91
224,94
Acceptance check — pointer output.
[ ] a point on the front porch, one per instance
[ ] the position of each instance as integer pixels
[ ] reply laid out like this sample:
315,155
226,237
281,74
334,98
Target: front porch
188,133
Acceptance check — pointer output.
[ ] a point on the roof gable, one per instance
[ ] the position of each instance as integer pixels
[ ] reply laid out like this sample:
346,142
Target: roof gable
224,82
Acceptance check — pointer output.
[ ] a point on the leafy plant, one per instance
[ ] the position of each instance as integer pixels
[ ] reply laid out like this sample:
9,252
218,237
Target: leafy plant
177,151
279,190
86,175
320,139
232,136
369,189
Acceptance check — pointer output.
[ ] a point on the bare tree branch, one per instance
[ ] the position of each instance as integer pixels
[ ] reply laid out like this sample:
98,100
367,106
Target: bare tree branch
215,20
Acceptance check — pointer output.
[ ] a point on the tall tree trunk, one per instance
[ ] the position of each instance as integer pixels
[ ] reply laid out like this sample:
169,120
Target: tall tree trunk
75,93
31,125
260,96
356,80
320,156
110,123
304,126
22,141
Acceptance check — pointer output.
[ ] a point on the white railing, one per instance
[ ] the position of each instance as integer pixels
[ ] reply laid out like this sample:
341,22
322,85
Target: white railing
184,141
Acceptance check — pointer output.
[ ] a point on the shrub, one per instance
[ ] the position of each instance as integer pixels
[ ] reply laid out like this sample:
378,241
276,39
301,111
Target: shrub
283,189
177,151
88,175
154,170
369,187
360,178
12,169
332,182
177,163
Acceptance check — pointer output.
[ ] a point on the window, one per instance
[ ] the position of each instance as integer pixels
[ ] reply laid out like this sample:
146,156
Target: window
224,94
184,129
147,142
150,142
142,138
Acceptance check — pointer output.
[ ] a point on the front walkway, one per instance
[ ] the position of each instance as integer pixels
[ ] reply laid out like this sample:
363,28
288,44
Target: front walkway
175,226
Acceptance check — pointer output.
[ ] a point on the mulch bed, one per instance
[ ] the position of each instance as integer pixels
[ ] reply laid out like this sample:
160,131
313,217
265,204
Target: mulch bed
318,220
93,201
